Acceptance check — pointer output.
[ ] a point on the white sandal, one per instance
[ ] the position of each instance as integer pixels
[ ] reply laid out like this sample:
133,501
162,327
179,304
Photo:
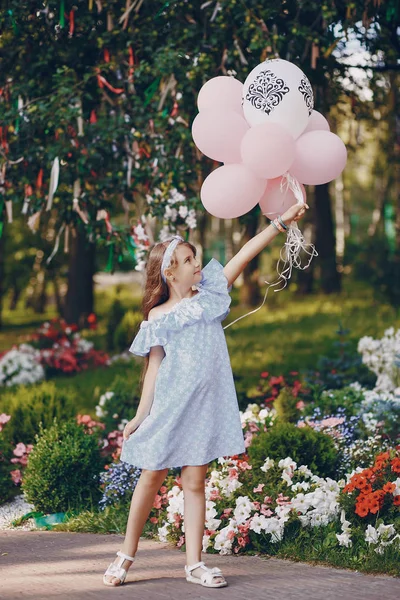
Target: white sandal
205,578
116,570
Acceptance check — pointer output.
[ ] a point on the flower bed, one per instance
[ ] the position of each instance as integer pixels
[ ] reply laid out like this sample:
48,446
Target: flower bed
55,348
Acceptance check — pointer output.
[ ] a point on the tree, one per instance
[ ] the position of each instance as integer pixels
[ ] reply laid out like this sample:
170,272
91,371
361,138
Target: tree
109,89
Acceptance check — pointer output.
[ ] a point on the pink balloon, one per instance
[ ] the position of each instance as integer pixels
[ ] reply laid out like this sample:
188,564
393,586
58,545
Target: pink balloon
316,121
218,134
320,157
268,150
221,92
275,201
231,191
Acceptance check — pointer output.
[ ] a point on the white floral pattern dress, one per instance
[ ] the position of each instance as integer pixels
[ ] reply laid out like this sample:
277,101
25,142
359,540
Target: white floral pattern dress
195,415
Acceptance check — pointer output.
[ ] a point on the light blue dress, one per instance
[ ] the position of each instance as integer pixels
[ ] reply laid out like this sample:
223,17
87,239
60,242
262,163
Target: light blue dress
195,415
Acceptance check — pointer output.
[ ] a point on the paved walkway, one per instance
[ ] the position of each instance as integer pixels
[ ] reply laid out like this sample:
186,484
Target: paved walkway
70,566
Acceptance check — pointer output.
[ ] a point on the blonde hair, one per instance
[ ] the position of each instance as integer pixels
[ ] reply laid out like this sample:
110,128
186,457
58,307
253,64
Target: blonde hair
156,290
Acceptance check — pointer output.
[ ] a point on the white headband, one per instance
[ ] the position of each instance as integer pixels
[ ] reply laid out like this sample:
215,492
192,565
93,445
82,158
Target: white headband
168,253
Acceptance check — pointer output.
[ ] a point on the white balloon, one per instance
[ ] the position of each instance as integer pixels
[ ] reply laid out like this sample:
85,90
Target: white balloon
278,91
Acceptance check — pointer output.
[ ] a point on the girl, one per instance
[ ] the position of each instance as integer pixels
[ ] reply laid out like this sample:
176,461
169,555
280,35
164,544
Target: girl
188,414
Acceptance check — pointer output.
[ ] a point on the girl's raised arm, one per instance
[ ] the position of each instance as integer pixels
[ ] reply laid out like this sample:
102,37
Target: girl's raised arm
235,266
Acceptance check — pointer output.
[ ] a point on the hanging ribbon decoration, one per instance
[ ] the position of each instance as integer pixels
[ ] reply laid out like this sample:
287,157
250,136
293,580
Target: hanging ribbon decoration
75,202
62,15
103,82
55,171
71,22
290,252
56,245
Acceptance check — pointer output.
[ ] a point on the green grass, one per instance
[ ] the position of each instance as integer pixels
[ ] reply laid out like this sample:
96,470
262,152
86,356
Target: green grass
288,333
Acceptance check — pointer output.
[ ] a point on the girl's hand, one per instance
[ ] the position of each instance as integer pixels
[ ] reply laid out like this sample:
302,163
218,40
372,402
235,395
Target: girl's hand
130,427
294,213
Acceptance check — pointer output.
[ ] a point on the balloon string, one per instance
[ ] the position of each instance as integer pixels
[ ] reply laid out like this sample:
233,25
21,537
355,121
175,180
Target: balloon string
290,255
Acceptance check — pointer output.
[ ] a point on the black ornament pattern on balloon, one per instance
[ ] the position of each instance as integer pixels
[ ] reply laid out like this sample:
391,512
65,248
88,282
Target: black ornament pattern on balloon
308,95
267,91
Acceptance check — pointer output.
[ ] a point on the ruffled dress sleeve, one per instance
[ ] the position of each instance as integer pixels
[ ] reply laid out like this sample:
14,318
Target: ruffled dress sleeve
214,295
210,303
146,337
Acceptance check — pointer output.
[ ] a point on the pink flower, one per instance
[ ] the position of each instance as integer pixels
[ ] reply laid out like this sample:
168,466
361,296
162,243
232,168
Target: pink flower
153,519
332,421
233,474
157,501
264,374
266,511
244,465
253,427
19,449
16,476
181,541
231,534
259,488
300,405
267,500
247,439
3,420
256,505
241,541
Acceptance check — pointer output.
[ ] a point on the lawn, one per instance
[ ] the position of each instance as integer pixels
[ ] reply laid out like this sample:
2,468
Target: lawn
288,333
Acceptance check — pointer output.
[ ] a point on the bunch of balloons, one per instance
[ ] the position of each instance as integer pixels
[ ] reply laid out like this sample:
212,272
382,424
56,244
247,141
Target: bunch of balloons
269,138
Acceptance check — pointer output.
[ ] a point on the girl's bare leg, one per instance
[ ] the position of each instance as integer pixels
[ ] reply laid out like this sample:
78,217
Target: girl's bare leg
194,499
142,501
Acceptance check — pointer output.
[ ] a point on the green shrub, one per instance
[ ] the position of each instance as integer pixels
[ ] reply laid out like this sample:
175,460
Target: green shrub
127,330
115,316
123,402
30,405
285,406
304,445
7,486
63,470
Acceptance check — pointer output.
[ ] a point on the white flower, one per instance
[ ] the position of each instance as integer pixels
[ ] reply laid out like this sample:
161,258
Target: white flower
268,464
371,535
344,539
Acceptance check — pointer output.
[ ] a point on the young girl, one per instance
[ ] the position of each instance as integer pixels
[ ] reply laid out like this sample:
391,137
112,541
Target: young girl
188,414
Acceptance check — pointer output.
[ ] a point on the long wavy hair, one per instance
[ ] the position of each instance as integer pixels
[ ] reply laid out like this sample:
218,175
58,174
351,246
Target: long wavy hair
156,290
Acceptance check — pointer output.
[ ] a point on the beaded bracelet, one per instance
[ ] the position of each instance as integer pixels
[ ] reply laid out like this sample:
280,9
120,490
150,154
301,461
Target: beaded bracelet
275,223
282,223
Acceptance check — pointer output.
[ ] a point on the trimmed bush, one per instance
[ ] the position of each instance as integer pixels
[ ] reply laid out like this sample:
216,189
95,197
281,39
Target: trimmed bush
127,330
285,406
115,316
7,486
63,470
30,405
303,444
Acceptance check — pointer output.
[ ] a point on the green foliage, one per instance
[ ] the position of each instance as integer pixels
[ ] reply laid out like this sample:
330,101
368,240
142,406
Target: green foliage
124,401
30,405
304,445
115,317
285,406
63,470
328,401
127,329
7,485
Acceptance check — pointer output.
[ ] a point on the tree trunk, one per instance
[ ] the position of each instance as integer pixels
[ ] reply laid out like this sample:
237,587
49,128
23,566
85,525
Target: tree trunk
80,295
15,296
250,291
325,241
